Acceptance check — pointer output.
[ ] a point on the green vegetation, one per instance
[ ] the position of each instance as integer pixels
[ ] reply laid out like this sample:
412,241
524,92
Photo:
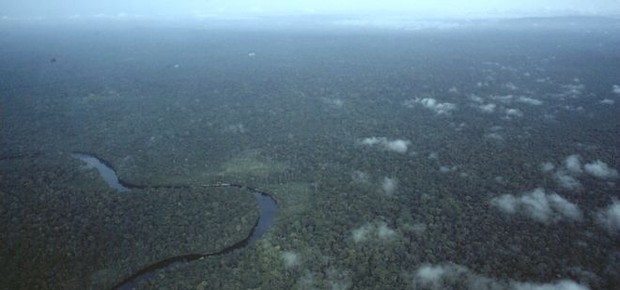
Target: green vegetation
288,121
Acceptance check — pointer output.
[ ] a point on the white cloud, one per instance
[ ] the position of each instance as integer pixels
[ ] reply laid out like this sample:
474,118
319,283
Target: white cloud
539,206
566,181
389,185
361,234
503,99
384,232
514,112
565,207
573,90
371,141
566,175
447,169
290,259
600,169
236,128
507,203
494,136
453,276
535,205
398,145
607,102
488,108
360,177
511,86
378,230
615,89
573,164
559,285
431,104
417,228
547,167
529,101
429,275
609,218
336,103
476,99
500,179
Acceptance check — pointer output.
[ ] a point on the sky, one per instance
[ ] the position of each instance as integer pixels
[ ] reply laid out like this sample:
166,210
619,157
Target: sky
431,8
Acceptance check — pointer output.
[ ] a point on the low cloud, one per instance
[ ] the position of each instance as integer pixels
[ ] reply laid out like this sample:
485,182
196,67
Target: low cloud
607,102
453,276
529,101
573,91
511,86
566,175
488,108
609,218
573,164
431,104
389,185
373,231
448,169
362,233
494,136
547,167
615,89
360,177
495,133
236,128
397,145
438,276
290,259
476,98
559,285
510,112
601,170
566,181
506,99
336,103
538,205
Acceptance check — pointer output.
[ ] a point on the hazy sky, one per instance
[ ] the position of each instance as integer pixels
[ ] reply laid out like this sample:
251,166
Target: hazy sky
59,8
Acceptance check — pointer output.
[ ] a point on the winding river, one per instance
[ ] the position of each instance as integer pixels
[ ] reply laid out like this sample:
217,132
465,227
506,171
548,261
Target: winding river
267,206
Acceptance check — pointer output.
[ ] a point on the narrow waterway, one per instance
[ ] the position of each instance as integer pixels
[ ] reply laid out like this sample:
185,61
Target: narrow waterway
267,205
